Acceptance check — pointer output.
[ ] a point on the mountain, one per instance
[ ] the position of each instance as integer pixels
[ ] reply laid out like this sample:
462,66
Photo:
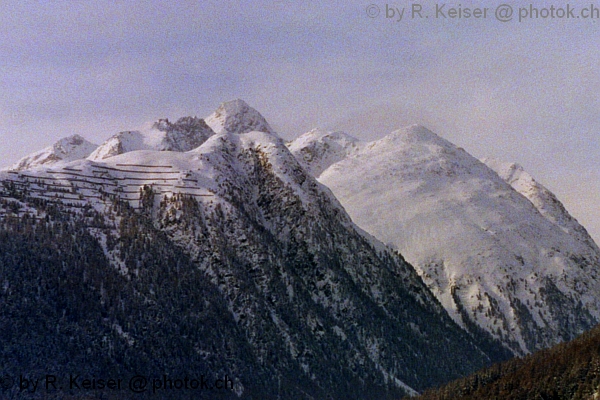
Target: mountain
318,149
183,135
228,261
67,149
566,371
544,200
237,117
510,263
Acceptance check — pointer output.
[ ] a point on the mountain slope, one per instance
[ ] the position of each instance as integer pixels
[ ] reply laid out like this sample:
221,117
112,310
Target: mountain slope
544,200
318,150
227,260
567,371
492,259
67,149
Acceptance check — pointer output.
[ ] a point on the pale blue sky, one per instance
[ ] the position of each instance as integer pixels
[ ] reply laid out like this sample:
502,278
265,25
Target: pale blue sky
524,92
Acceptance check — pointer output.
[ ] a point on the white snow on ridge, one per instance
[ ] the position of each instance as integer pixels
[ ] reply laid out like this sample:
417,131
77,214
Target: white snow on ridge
183,135
121,143
70,148
544,200
237,116
222,165
202,172
187,133
317,149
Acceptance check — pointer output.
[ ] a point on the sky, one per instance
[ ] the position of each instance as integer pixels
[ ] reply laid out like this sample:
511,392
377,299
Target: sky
523,90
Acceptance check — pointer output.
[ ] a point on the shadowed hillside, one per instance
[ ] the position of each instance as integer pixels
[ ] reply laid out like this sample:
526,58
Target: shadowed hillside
566,371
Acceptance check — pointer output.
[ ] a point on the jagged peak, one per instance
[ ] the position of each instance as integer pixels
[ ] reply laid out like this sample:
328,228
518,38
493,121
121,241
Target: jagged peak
185,134
237,116
236,106
183,124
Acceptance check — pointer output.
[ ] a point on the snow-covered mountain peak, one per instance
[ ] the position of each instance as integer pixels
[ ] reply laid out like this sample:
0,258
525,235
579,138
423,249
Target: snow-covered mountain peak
292,280
415,139
66,149
318,149
415,133
185,134
120,143
511,265
237,116
411,153
320,134
69,143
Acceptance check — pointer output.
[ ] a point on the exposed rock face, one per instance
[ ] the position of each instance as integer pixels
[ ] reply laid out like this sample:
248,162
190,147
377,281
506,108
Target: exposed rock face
184,135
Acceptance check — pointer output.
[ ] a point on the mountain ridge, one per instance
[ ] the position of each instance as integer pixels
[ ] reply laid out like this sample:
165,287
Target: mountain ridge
185,134
542,198
482,247
413,261
67,149
310,306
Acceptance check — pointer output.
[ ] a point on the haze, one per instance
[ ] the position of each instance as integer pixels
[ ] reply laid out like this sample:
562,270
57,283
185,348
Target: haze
523,92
